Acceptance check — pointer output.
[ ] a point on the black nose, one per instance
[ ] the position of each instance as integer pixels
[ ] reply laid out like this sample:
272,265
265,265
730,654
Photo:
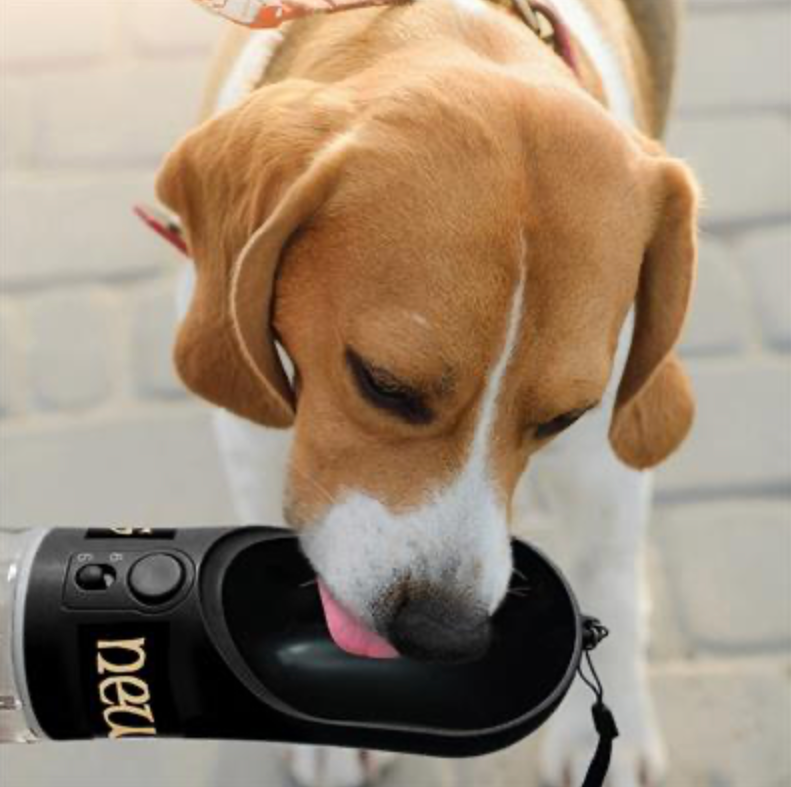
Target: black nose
432,628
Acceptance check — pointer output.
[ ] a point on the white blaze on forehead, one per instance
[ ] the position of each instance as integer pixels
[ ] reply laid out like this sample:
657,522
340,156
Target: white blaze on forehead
458,540
474,7
488,412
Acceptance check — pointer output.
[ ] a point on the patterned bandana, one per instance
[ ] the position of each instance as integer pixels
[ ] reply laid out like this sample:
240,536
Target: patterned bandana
272,13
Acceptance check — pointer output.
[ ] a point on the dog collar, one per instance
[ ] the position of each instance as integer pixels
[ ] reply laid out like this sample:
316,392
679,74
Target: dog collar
545,22
540,17
164,225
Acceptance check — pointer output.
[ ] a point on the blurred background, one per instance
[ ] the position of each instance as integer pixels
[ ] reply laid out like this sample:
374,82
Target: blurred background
96,430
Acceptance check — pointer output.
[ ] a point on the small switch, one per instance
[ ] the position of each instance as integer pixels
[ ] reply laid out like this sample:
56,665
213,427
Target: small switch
155,579
95,577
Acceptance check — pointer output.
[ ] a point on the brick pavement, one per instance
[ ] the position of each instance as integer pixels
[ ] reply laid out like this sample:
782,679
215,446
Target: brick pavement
93,93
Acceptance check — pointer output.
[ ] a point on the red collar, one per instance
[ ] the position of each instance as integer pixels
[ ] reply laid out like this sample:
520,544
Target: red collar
163,225
556,34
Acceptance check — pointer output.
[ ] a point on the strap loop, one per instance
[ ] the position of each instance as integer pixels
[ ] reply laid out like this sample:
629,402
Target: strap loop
603,719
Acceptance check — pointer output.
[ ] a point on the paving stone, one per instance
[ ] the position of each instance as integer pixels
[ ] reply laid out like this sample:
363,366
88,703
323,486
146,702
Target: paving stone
717,323
170,27
717,6
126,115
13,348
76,228
746,60
741,439
178,764
766,261
726,727
742,161
46,34
71,350
153,335
414,771
155,763
16,124
156,467
728,570
516,766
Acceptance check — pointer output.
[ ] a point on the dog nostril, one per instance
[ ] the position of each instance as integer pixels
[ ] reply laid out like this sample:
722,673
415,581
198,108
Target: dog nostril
429,628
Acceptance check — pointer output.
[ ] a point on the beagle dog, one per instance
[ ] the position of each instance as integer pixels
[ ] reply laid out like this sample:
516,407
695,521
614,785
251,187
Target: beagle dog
440,268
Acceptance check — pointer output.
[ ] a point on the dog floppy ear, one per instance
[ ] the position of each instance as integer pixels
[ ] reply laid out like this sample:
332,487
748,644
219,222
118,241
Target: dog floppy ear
655,406
242,184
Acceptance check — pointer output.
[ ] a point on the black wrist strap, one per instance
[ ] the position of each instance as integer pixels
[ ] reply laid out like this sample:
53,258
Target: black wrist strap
603,719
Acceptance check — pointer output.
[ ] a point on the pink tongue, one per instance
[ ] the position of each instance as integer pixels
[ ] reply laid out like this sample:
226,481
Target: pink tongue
349,634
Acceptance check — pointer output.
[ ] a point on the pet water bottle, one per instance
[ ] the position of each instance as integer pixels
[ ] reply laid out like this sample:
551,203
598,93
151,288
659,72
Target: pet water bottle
220,633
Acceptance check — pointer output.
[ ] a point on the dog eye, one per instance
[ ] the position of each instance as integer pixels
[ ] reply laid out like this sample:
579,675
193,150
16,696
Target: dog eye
559,423
383,390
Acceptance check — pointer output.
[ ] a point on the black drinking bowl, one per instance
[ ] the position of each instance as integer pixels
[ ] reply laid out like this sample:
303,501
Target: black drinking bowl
220,633
282,651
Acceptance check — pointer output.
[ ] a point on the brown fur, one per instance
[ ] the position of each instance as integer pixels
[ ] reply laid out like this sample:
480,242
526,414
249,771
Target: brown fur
390,184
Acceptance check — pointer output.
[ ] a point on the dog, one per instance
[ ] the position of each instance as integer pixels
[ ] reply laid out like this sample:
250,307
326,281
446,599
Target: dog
441,264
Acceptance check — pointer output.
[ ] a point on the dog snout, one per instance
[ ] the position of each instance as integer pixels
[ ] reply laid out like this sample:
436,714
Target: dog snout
439,628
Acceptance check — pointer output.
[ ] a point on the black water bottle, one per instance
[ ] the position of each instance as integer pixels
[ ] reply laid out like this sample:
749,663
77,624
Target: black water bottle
130,632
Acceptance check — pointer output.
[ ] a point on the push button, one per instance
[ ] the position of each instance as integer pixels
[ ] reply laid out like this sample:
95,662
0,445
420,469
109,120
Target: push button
155,579
95,577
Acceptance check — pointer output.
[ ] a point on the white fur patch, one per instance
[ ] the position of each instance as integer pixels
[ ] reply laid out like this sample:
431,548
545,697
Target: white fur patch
458,540
472,6
185,289
583,25
250,66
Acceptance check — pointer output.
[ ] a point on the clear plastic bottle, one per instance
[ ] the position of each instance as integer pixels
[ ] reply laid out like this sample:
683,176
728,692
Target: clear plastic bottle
17,549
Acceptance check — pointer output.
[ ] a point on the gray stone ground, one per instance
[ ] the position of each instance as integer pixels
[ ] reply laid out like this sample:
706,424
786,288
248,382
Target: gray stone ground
94,428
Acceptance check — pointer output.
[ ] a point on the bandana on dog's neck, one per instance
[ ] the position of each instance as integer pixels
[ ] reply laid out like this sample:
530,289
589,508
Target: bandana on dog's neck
540,17
273,13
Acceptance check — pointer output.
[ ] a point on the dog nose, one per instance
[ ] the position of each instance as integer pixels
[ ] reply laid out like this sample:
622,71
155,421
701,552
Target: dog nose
432,628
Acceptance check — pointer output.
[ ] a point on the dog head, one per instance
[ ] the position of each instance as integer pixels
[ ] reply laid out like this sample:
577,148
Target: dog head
448,266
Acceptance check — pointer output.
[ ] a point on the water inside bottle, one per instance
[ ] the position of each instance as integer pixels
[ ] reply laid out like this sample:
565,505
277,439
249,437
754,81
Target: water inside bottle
16,548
